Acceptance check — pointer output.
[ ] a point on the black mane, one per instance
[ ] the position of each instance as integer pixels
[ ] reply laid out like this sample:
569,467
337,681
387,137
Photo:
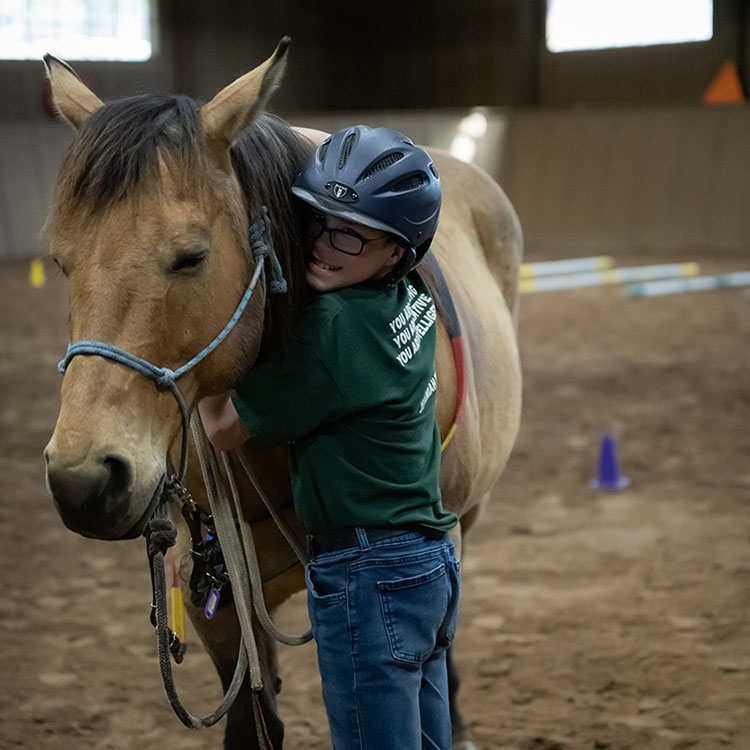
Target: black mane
266,160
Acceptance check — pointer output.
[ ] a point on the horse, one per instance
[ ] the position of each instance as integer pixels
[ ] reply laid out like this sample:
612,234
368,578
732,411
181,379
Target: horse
149,223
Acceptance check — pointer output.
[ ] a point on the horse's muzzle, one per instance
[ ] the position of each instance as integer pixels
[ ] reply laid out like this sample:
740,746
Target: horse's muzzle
96,497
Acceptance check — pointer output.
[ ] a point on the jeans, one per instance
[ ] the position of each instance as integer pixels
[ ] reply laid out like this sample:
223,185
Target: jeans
383,615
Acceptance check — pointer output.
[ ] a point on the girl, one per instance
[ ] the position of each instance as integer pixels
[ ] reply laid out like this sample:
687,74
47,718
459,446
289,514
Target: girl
353,392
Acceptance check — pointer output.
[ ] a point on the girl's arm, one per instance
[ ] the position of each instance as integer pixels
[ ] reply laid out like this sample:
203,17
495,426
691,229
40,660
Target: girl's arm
316,137
223,425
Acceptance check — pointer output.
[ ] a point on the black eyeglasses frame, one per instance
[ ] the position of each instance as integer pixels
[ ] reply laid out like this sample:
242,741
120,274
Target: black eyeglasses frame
316,218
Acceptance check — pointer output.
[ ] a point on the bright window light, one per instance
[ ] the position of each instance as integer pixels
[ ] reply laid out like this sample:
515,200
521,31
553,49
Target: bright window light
599,24
474,125
471,130
463,147
75,29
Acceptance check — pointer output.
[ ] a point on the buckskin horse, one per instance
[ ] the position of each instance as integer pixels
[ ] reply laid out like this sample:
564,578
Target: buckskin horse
149,222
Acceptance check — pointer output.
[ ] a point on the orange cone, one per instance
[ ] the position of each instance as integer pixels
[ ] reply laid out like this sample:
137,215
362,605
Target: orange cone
726,88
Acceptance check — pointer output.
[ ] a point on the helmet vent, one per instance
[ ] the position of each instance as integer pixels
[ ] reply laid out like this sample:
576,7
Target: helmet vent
383,163
323,150
412,182
346,149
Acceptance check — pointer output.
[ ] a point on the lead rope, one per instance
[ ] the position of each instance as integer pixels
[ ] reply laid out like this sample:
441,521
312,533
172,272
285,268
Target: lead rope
242,567
226,532
160,535
239,547
279,520
253,569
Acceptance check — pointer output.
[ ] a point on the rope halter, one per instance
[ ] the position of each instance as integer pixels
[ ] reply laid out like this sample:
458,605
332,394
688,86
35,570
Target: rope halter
165,378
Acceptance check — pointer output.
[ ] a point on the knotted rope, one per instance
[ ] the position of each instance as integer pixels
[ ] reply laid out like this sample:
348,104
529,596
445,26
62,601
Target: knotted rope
258,233
160,536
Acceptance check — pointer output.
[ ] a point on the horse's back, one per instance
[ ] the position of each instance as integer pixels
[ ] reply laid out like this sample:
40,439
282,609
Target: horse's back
474,202
479,246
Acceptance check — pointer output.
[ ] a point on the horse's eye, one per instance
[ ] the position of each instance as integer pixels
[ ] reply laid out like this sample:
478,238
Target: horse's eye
187,261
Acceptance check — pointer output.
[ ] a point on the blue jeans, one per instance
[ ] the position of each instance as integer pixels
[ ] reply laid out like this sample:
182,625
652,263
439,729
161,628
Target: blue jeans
383,615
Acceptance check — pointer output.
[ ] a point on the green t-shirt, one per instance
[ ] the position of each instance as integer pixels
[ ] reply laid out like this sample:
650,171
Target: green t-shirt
354,393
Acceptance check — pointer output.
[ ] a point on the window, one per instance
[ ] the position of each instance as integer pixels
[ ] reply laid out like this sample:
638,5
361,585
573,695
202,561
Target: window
599,24
75,29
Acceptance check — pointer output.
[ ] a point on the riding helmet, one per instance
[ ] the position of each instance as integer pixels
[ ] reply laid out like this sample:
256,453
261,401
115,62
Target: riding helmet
379,178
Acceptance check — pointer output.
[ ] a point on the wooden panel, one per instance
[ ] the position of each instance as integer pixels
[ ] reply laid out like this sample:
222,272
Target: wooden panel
663,180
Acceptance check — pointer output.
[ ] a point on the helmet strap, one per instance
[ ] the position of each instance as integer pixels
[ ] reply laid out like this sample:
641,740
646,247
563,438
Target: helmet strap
407,262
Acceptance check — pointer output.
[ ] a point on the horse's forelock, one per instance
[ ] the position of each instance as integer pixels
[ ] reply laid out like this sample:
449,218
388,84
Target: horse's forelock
122,145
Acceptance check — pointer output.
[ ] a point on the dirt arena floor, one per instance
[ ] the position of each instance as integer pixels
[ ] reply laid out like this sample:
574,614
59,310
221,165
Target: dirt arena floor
589,620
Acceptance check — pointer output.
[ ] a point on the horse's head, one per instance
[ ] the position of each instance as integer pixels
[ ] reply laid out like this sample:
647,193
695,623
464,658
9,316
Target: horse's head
149,224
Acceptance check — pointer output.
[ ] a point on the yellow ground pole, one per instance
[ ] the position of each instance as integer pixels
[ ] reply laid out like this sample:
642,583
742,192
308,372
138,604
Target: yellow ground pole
567,265
608,276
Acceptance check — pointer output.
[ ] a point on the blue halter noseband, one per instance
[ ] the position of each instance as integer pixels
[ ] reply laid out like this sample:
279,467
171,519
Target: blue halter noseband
164,378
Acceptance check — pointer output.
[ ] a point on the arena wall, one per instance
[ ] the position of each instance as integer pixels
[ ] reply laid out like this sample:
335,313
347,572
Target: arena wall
607,150
590,180
584,181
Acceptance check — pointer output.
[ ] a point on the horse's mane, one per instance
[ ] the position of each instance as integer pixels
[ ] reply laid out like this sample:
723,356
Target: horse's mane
266,159
121,145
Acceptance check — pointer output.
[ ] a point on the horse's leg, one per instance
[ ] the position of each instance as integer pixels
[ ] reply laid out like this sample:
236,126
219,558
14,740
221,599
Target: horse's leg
241,731
461,733
221,637
462,737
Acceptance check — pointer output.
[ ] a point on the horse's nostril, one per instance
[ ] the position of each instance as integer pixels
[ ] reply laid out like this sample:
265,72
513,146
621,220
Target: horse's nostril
120,477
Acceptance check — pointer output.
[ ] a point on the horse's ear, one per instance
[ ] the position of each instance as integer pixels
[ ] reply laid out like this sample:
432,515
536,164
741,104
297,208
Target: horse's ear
73,99
236,106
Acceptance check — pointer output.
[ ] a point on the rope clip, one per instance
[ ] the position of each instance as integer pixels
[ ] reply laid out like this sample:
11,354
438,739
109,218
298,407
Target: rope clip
175,491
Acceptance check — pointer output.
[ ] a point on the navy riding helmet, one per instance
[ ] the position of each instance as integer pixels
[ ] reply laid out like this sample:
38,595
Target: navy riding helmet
379,178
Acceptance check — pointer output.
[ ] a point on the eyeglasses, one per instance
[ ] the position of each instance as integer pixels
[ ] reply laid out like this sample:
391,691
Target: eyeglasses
346,241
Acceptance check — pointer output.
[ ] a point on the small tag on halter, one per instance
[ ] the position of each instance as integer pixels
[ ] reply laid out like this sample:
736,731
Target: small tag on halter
212,603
